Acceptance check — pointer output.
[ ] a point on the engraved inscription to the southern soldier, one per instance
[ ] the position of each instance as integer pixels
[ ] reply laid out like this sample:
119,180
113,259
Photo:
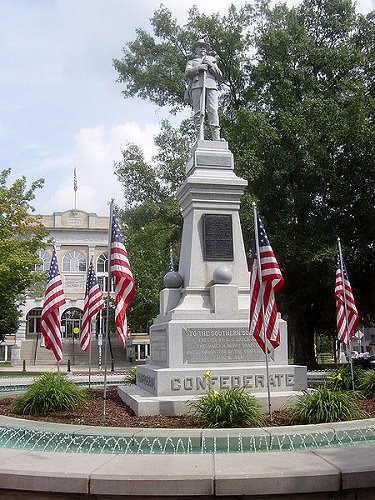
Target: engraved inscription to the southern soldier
218,237
219,345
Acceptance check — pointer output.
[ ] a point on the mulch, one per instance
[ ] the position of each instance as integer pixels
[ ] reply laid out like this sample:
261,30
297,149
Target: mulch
117,414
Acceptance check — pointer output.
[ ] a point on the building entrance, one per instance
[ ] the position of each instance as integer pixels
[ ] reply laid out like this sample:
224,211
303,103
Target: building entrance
71,321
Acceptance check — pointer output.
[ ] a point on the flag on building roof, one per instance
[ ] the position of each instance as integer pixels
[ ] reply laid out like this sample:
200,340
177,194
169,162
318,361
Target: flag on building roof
53,300
123,280
75,184
262,292
92,305
346,324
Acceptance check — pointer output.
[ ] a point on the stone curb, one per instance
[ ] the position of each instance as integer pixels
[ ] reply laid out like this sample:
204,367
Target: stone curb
323,473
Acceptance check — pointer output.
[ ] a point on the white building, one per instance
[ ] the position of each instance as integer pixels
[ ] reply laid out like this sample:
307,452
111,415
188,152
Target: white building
78,237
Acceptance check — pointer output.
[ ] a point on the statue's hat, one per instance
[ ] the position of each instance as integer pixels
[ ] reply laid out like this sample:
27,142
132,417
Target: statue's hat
200,43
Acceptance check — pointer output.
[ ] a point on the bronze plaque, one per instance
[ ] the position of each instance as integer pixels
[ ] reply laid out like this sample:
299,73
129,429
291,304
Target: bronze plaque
217,237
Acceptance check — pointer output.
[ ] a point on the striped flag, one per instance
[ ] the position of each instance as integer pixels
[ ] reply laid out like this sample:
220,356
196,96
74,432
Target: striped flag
346,324
75,184
53,300
92,305
123,280
263,294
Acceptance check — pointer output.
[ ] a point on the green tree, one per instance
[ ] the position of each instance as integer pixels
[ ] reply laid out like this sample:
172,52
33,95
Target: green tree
151,216
297,108
152,67
21,235
310,134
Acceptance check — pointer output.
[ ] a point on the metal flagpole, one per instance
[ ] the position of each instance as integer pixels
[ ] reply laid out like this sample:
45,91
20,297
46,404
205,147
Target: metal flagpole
203,107
261,288
90,325
108,297
75,188
346,312
90,355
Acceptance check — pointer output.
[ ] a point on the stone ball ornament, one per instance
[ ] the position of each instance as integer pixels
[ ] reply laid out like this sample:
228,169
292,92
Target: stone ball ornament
172,280
222,275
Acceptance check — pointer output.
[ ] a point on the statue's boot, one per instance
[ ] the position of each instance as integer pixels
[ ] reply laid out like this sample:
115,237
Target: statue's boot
216,133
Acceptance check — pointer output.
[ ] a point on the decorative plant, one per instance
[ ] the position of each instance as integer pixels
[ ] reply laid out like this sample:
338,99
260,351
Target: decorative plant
325,405
131,376
229,408
49,393
368,384
341,378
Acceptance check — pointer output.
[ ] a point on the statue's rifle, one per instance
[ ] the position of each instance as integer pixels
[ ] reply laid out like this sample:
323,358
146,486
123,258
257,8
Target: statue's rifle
202,107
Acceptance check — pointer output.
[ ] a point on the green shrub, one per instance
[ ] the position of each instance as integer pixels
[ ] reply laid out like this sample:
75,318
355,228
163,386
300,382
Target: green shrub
48,394
131,376
230,408
325,405
341,378
368,384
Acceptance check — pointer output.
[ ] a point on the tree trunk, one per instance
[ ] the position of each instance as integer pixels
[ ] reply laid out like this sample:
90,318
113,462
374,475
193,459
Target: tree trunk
302,329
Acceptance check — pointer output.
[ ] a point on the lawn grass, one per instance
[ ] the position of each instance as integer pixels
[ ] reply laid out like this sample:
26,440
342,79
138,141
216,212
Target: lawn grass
4,374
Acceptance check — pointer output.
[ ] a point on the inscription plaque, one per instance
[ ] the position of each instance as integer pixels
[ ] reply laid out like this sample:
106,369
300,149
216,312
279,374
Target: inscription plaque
218,237
219,345
75,222
73,282
158,346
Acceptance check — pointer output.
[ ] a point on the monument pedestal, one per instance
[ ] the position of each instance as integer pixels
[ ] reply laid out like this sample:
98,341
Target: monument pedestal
203,325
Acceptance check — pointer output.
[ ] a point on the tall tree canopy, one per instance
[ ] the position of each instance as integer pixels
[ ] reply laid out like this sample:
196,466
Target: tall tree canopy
297,108
21,235
152,216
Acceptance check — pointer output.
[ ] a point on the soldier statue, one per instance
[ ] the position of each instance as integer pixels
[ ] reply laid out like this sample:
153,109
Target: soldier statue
203,74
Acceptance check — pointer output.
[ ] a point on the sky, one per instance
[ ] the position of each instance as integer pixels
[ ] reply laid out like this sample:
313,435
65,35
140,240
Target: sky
60,105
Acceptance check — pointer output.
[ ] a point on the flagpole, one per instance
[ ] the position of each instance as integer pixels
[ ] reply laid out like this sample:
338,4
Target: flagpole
89,332
262,307
75,188
90,355
108,298
346,312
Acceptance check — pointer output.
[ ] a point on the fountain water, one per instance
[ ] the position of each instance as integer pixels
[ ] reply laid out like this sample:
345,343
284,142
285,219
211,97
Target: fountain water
209,441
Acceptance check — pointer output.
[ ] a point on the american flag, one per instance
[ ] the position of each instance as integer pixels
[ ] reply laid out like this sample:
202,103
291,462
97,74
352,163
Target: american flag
123,280
75,185
272,281
346,326
53,300
93,304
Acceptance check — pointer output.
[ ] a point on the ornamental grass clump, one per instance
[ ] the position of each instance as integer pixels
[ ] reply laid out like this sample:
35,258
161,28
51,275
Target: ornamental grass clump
323,405
230,408
131,376
367,386
341,378
49,393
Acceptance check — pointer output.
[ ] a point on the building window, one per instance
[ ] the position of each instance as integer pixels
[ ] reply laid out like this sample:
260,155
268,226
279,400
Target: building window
74,261
33,321
45,261
4,353
102,263
103,284
102,272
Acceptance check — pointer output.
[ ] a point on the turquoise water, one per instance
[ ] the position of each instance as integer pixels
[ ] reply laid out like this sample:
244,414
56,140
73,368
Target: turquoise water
37,440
